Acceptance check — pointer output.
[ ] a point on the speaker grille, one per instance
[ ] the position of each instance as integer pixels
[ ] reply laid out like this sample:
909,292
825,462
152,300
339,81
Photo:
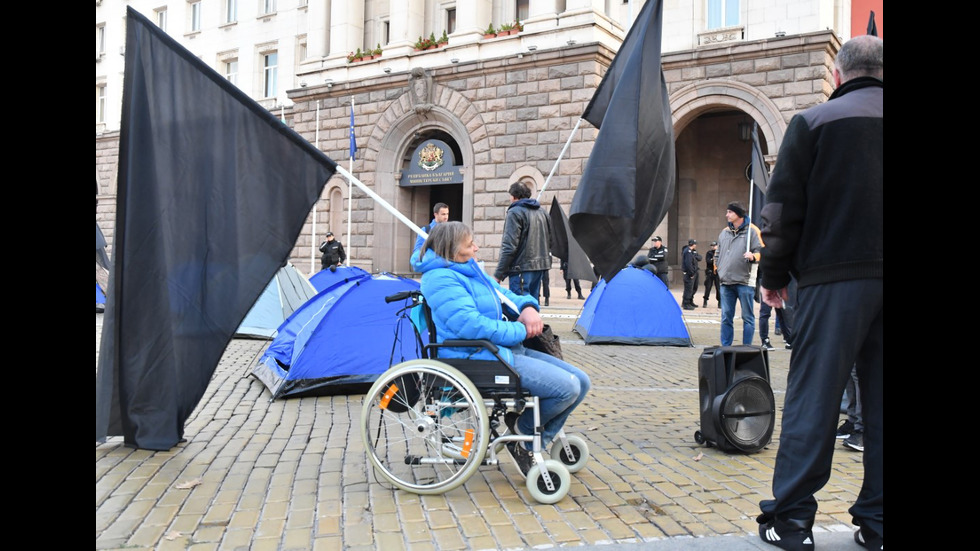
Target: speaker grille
748,414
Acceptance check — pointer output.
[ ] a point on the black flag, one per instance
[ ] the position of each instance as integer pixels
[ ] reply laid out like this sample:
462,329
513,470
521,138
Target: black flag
213,191
760,176
628,184
872,27
760,173
564,246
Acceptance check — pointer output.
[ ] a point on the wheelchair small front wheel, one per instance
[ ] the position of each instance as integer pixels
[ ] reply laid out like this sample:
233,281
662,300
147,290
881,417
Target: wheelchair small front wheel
575,457
560,479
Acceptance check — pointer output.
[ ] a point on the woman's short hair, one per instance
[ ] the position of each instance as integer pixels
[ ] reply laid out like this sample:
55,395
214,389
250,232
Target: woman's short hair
446,238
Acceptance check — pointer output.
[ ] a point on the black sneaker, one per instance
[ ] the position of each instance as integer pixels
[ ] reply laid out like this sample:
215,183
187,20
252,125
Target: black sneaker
855,442
767,345
791,535
789,346
522,456
845,429
869,540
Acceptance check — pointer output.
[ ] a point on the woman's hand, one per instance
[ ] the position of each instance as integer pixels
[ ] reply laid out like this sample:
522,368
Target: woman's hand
532,321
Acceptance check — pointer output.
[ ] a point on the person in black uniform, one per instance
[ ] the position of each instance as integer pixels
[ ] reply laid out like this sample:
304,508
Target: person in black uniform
711,276
658,259
333,253
689,262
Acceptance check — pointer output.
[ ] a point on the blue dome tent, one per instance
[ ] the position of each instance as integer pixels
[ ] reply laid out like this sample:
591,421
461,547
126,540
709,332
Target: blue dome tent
634,308
326,278
340,340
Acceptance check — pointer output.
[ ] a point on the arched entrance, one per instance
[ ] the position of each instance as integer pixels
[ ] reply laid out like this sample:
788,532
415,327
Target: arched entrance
712,127
425,196
397,144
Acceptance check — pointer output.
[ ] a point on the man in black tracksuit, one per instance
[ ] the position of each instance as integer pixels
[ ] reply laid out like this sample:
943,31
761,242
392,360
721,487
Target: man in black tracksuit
711,276
689,263
823,223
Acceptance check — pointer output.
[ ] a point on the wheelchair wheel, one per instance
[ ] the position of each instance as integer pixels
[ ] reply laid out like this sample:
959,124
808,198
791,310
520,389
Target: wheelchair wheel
425,427
579,456
560,478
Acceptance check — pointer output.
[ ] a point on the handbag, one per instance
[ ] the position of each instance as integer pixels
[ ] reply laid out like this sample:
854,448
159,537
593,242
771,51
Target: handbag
546,342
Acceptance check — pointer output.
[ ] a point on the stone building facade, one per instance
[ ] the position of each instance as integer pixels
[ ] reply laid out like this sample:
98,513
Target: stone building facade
508,107
511,118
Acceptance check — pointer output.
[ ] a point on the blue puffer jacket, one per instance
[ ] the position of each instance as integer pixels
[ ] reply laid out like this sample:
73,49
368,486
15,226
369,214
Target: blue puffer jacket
465,305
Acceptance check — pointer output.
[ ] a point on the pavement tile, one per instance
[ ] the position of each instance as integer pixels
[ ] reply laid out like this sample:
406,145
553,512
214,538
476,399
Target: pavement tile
293,474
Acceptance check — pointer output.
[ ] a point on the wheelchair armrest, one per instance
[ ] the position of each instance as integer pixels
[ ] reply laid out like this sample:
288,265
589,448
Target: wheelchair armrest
461,343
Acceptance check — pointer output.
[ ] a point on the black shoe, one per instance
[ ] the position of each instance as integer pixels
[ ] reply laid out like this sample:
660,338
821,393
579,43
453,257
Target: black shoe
547,302
688,307
869,540
778,332
789,346
580,297
855,442
767,345
705,305
510,419
523,457
792,535
845,429
570,295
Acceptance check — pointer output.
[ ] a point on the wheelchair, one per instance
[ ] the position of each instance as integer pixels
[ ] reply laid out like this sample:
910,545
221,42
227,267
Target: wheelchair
429,424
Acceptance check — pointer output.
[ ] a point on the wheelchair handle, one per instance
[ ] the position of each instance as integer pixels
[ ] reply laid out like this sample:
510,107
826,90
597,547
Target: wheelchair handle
401,296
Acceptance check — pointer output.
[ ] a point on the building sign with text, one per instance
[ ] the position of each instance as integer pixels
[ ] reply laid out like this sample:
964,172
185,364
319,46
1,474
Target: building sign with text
432,164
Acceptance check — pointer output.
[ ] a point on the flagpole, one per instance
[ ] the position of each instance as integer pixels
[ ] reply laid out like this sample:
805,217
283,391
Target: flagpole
394,212
313,248
558,160
384,204
350,186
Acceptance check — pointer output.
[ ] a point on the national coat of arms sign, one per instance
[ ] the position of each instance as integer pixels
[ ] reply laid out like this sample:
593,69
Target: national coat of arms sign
430,157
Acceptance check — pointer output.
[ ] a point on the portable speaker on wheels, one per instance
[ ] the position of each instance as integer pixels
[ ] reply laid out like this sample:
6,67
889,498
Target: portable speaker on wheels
738,411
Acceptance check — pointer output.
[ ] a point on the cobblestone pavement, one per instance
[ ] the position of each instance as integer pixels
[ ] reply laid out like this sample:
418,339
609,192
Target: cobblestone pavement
293,474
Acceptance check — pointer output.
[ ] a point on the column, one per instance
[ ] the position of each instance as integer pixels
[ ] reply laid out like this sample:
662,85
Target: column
406,25
346,27
472,18
542,15
318,18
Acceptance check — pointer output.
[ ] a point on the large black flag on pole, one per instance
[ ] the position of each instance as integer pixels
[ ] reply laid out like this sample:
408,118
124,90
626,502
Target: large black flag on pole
564,246
628,184
213,191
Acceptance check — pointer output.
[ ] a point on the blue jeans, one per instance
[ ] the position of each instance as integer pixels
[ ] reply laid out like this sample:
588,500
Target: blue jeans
527,283
745,295
559,386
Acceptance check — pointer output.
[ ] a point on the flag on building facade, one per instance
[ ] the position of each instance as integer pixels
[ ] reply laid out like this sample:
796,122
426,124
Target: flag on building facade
628,184
353,140
213,191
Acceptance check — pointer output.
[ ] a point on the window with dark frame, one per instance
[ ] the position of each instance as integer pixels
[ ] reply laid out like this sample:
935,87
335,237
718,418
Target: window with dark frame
522,9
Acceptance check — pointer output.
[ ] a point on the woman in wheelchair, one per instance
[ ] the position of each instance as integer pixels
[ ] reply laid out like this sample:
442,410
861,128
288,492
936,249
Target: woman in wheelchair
465,305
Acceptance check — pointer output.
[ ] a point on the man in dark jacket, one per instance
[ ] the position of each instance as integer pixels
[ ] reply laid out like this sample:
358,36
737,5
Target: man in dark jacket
711,276
657,258
333,253
525,248
823,223
689,262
